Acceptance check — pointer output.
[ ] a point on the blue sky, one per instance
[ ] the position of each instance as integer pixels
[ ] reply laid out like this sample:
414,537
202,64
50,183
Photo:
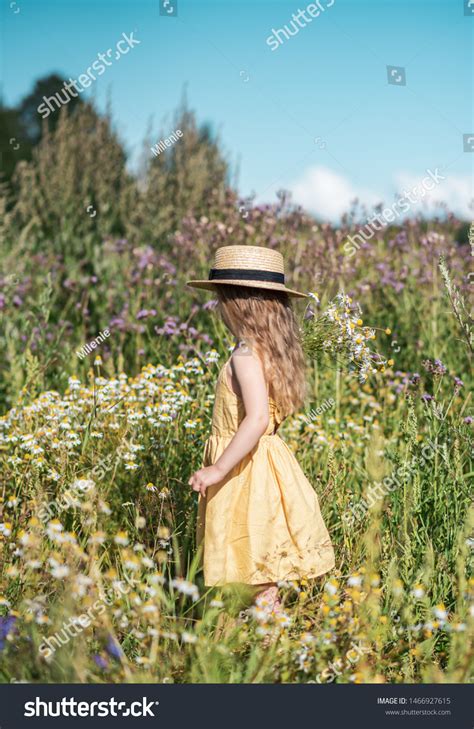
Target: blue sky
327,82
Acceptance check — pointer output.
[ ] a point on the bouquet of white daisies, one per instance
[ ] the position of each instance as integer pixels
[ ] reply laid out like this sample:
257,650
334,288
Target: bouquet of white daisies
338,334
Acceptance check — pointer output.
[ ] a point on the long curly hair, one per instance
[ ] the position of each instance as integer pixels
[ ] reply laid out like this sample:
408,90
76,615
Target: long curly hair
264,320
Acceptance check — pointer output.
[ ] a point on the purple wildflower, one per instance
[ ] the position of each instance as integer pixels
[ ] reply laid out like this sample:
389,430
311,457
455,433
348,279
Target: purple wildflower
169,327
6,625
145,255
101,661
436,368
118,322
168,267
144,313
121,245
114,649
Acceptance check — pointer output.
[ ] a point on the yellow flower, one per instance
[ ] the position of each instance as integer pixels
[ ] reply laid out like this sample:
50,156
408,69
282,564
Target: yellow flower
359,322
388,331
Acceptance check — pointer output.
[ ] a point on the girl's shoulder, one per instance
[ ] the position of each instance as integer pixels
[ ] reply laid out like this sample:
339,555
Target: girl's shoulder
246,371
245,359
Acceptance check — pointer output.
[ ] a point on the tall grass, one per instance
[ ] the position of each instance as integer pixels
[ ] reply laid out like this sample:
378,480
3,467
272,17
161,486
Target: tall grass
96,518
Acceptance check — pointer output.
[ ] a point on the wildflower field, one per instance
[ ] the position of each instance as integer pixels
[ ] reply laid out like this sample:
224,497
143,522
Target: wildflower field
99,577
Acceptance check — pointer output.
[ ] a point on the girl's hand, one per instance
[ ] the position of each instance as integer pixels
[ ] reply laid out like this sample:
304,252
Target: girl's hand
205,477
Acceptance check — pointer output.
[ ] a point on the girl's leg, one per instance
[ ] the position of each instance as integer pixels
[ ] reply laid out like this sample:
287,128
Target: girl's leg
267,595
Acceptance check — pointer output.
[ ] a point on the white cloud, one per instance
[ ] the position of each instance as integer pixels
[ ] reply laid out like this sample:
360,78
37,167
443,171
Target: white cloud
328,194
456,191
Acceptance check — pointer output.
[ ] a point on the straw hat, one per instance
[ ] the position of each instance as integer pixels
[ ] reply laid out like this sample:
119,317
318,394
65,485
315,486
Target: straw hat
256,266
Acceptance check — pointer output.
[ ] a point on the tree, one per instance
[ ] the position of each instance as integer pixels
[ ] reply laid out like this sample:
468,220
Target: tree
189,177
22,127
73,190
31,120
14,144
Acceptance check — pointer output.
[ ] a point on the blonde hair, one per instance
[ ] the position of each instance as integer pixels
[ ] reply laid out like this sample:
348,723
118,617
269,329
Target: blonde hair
264,320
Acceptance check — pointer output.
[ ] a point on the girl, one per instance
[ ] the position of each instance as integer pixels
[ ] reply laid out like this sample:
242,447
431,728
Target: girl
258,517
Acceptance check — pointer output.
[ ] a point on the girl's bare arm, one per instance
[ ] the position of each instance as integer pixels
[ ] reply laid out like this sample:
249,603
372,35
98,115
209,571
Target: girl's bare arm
253,391
248,373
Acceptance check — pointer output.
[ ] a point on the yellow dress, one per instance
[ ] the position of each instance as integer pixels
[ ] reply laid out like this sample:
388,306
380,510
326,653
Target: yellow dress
262,523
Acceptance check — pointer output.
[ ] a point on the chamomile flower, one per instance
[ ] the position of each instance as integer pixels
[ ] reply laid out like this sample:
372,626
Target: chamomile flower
5,529
187,637
418,591
121,538
186,588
